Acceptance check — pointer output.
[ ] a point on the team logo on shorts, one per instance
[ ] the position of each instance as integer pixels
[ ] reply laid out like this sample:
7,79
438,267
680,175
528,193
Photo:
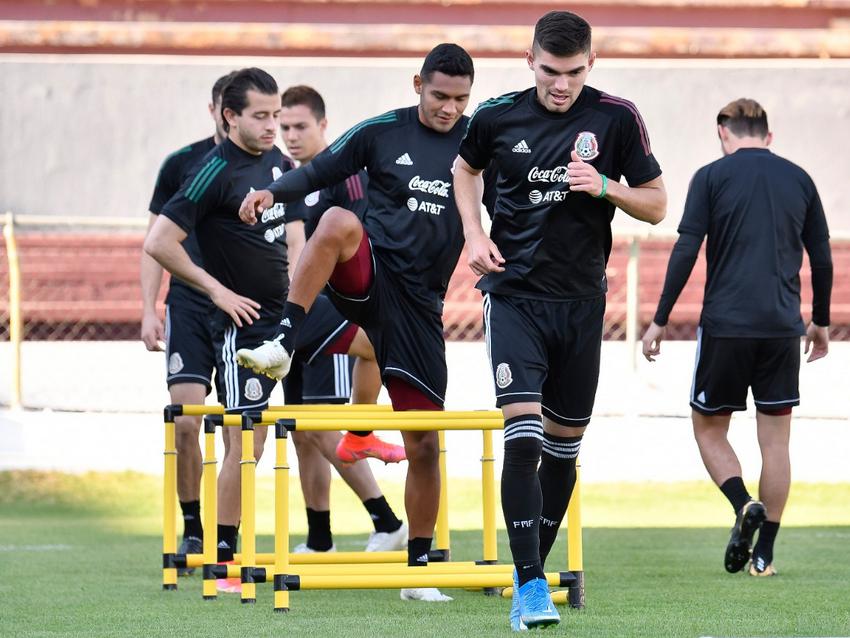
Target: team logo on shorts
253,389
175,363
503,375
312,199
586,146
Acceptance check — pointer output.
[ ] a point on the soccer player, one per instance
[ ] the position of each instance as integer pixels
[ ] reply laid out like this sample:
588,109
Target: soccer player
389,273
248,306
188,343
319,376
557,151
759,211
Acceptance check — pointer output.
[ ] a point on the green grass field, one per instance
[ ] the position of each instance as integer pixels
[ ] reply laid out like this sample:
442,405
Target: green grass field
80,555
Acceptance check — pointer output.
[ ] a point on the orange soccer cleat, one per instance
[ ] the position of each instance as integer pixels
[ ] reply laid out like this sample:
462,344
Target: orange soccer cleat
352,448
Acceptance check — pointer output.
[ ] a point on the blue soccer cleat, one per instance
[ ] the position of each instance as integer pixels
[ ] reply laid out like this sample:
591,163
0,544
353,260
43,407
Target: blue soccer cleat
516,621
536,609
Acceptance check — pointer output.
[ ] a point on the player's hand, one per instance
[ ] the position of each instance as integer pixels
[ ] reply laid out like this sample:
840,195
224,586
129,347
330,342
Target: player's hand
153,332
584,178
254,204
817,339
483,256
651,342
238,307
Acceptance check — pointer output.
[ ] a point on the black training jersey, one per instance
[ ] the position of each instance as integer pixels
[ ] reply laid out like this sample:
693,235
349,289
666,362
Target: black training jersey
412,217
555,243
759,211
349,194
250,260
172,174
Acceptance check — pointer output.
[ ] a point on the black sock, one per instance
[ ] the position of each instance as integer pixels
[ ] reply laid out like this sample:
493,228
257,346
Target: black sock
192,519
522,499
383,517
735,490
417,551
319,530
557,475
764,544
293,315
360,432
227,542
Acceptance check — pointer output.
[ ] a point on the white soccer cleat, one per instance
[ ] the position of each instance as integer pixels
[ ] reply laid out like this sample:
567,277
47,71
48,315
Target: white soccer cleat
427,594
388,541
270,359
302,548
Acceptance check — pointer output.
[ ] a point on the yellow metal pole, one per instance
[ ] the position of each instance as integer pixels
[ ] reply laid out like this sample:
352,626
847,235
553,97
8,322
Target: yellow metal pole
281,519
467,567
210,508
169,502
248,467
325,558
329,423
16,331
417,577
443,536
488,496
574,544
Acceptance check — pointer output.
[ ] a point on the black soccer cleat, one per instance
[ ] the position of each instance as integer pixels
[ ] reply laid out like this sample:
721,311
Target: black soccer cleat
190,545
747,523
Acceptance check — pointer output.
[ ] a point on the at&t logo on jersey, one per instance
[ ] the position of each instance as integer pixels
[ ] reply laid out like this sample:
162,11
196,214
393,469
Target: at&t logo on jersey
536,197
549,175
414,205
586,146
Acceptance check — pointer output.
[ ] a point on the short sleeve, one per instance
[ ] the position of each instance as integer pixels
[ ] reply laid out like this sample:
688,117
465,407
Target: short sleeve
199,194
638,163
476,146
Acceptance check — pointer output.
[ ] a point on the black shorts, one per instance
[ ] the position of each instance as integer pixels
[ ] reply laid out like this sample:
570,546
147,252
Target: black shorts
243,389
326,380
190,357
406,331
322,326
726,367
546,352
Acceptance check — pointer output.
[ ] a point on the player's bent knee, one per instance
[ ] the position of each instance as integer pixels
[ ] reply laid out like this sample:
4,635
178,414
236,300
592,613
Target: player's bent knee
340,225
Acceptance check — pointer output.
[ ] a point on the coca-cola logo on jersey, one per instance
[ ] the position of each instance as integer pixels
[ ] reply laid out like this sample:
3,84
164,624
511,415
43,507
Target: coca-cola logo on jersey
549,175
432,187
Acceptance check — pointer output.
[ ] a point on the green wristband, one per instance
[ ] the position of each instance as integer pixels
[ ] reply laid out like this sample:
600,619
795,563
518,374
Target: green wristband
604,187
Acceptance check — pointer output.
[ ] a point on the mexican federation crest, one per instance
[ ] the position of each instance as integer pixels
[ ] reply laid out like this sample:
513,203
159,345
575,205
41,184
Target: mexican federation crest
503,375
253,389
586,146
175,363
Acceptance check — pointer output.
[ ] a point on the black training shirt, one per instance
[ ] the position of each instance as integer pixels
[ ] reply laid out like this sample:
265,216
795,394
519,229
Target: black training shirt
555,243
759,212
172,174
412,218
250,260
349,194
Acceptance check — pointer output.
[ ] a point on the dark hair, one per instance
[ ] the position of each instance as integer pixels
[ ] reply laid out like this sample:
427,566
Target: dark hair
562,33
234,95
745,118
219,85
449,59
304,95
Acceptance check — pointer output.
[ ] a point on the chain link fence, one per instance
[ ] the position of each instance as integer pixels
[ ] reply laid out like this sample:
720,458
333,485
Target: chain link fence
77,281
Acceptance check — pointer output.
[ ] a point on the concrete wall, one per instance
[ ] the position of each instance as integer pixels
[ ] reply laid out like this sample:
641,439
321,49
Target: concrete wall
84,135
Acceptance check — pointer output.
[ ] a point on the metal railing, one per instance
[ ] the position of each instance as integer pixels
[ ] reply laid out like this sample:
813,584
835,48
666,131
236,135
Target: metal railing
76,279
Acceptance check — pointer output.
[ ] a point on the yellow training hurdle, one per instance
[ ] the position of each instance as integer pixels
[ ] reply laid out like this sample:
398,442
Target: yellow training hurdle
342,570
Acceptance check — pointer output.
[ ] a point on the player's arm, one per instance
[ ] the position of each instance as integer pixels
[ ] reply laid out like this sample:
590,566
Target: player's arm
151,278
164,243
816,241
295,240
692,230
482,254
646,202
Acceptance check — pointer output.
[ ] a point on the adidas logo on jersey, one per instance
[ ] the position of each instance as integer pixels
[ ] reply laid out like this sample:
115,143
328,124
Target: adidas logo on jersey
521,147
404,160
